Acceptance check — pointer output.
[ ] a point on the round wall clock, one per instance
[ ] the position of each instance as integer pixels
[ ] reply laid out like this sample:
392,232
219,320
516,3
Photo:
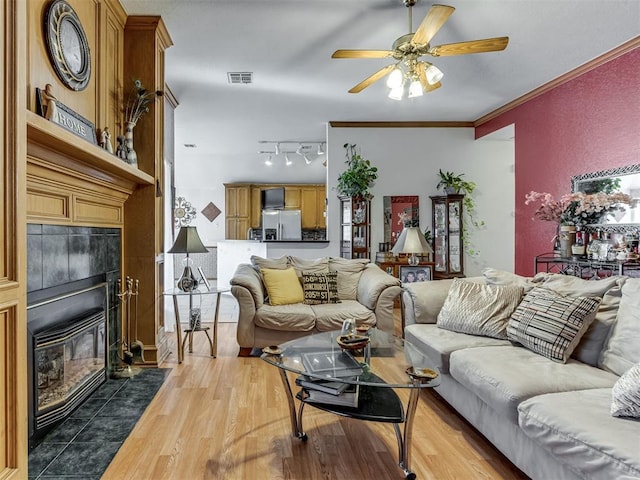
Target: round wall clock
67,45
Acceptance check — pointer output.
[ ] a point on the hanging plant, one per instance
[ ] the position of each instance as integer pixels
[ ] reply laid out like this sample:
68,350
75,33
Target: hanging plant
359,176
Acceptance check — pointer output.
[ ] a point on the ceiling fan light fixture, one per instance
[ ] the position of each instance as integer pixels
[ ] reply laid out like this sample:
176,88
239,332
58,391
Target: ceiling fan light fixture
395,78
396,93
415,89
434,74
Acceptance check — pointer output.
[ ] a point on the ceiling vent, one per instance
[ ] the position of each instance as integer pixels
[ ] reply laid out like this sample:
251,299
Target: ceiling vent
240,77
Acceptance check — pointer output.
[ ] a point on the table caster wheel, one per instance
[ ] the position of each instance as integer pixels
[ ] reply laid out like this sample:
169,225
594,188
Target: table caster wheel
410,476
304,437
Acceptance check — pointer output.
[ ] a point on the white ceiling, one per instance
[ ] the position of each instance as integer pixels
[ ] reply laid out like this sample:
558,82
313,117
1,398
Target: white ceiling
298,88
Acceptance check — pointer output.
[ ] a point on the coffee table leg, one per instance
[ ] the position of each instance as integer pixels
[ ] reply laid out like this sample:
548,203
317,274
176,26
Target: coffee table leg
404,439
296,420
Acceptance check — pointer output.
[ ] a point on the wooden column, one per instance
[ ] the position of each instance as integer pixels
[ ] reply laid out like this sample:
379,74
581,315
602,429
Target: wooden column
145,40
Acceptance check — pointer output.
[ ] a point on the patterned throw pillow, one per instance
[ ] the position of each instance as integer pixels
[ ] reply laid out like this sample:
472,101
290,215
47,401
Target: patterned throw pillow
551,324
626,394
320,288
479,309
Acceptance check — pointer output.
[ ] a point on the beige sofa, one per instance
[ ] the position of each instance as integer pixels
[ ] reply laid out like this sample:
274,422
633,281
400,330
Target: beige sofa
365,291
553,420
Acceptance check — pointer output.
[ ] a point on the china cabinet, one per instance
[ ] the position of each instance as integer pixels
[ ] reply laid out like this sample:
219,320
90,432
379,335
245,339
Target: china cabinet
447,236
355,225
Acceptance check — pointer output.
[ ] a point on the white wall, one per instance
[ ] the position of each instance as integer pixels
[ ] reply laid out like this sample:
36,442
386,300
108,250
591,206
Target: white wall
408,160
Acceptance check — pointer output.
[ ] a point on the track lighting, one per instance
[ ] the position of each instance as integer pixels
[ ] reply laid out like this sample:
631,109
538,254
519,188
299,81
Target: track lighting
277,149
320,150
307,160
268,162
287,161
305,149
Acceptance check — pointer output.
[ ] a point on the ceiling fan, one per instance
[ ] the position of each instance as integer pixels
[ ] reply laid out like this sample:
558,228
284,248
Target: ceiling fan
422,76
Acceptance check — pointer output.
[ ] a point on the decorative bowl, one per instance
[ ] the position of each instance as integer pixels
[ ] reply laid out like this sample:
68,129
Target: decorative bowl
424,374
352,341
272,350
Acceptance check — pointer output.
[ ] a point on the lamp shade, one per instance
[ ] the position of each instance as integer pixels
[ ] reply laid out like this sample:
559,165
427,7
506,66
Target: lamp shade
412,241
188,241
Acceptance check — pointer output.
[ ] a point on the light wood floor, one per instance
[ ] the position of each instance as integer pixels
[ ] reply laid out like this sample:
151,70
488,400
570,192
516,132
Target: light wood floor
227,418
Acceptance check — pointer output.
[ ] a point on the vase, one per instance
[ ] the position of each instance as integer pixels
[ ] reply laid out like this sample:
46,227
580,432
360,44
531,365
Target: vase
567,239
131,156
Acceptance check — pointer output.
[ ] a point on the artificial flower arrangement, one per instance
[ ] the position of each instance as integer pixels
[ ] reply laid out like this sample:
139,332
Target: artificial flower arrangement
578,208
138,103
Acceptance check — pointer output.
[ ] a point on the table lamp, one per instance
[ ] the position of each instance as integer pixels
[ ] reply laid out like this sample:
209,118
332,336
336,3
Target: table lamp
188,242
412,241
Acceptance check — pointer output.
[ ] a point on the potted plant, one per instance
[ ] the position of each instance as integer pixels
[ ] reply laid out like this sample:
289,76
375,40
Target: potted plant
359,176
452,183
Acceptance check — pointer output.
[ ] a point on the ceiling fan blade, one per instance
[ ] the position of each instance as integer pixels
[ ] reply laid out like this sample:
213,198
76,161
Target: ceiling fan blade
373,78
362,54
473,46
433,21
422,75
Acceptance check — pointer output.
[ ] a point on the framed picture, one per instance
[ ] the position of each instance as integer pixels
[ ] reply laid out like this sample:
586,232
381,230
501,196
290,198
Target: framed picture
412,274
204,278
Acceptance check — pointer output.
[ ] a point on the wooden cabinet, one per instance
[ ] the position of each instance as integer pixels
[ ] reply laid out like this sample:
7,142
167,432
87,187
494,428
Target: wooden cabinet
238,201
145,41
355,226
447,236
313,206
244,206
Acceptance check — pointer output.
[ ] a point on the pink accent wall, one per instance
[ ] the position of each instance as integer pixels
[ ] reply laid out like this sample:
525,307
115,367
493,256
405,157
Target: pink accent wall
588,124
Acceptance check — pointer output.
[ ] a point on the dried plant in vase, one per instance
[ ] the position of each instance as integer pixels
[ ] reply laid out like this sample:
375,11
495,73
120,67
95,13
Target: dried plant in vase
137,105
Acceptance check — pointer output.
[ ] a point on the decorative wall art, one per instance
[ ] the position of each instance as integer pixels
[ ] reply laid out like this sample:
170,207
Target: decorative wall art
183,212
211,212
399,211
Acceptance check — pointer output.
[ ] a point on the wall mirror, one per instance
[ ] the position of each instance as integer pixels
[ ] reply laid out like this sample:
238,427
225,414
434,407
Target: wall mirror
399,211
626,179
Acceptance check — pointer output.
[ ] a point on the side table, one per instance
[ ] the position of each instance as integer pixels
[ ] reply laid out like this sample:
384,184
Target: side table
198,327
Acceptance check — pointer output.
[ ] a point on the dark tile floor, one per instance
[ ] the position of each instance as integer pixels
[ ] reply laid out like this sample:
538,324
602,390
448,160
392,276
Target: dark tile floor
82,447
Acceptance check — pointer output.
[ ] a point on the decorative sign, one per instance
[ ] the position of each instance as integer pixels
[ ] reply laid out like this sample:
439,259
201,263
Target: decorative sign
59,113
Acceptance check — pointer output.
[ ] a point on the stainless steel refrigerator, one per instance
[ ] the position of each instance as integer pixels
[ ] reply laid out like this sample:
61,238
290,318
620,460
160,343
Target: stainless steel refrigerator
281,225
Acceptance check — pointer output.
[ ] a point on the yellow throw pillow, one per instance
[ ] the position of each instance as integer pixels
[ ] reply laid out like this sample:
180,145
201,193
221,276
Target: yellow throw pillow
283,286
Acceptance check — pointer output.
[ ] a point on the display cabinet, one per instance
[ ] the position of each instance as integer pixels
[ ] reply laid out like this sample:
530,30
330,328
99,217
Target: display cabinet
355,241
447,236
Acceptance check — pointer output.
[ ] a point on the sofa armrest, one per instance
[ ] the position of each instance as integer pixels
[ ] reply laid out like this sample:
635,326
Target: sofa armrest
245,332
372,283
248,277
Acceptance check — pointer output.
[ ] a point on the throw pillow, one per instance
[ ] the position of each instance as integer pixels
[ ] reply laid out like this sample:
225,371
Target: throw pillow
626,394
300,265
283,286
493,276
551,324
479,309
273,263
349,272
320,288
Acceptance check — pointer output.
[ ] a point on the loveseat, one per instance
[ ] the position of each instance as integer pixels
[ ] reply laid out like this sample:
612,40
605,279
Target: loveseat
348,289
553,420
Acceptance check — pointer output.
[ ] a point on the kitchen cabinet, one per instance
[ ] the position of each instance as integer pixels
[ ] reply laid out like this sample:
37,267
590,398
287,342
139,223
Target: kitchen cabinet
244,206
448,236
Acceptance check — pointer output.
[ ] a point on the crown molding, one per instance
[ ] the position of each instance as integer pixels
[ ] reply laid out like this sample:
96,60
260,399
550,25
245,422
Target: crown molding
401,124
567,77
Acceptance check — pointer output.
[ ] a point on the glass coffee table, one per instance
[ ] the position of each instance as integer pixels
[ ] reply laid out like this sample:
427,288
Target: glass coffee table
373,373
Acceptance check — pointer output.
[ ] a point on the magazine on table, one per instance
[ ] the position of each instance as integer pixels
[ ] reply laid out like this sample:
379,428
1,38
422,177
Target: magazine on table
348,398
321,385
331,363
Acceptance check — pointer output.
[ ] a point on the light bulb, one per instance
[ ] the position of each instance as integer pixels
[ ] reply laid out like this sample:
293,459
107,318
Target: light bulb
395,78
434,74
415,89
396,93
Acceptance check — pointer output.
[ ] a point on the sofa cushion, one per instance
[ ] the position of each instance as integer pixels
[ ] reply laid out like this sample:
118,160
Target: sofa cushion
300,265
438,344
320,288
349,271
551,324
329,316
294,317
278,263
625,394
621,349
493,276
479,309
592,343
577,429
426,299
503,377
283,286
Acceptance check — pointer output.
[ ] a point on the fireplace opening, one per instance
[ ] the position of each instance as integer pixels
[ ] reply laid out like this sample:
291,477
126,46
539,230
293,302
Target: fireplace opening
67,351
